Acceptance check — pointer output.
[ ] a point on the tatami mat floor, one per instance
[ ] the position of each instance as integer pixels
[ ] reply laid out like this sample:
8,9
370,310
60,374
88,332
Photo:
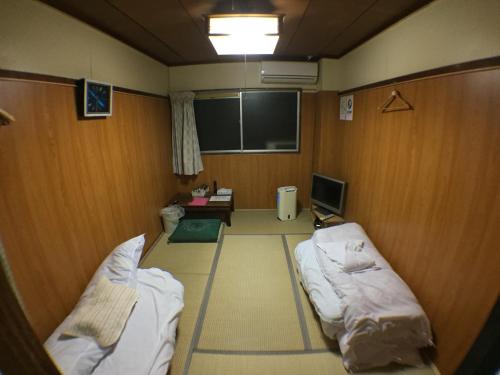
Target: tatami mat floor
245,311
265,222
251,298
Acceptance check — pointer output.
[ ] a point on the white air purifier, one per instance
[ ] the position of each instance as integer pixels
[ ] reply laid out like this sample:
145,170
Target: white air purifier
286,201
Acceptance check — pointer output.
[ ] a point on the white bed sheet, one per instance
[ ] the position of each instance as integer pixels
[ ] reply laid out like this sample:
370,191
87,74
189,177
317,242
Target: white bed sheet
148,340
321,294
147,343
383,321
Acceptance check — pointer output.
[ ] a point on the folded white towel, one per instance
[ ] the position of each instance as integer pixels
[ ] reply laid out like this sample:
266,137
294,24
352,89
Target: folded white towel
349,255
335,251
356,245
357,260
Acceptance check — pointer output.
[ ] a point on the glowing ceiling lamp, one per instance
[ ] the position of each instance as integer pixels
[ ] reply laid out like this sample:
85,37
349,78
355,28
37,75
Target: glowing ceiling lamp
244,34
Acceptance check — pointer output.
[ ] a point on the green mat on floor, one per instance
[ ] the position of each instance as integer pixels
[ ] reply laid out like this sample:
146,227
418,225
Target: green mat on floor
196,230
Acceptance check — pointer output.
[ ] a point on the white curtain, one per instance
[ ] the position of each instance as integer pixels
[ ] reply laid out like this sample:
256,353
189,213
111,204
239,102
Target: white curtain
185,147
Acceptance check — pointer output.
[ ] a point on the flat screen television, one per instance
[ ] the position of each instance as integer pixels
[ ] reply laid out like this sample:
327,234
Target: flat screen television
328,193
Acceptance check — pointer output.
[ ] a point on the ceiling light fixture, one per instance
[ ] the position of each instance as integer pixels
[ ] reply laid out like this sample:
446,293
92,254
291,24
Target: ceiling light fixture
244,34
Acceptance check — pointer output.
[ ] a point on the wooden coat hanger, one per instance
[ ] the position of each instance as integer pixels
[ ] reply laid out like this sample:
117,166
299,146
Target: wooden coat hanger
395,95
5,117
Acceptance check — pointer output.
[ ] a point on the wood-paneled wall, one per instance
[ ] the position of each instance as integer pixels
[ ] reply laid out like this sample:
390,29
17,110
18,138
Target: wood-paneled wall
425,184
71,190
254,178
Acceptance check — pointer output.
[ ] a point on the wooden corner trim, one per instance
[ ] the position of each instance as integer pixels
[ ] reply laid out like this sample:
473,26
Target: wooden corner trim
36,77
487,63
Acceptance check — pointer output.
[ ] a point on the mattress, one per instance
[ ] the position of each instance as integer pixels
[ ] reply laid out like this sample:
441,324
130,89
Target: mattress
383,321
327,304
147,342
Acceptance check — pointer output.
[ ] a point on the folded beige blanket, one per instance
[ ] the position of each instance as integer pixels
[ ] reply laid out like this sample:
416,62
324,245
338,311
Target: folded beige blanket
104,314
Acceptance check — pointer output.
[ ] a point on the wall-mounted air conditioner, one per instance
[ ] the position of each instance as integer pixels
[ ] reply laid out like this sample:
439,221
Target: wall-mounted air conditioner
289,72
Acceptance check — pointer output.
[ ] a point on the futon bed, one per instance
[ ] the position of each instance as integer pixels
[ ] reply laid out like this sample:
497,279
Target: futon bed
369,310
144,344
321,293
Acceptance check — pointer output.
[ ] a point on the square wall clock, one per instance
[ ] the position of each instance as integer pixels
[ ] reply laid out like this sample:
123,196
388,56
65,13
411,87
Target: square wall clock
97,98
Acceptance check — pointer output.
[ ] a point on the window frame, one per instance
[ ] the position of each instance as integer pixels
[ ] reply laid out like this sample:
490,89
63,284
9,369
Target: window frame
227,94
206,95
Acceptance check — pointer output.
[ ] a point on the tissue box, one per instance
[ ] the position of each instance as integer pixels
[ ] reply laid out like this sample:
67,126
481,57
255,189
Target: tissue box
199,192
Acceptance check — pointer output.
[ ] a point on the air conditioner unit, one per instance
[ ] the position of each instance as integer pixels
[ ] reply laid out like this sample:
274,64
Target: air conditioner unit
289,72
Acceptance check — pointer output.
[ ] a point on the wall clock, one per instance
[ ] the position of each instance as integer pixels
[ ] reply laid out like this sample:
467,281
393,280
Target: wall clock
97,98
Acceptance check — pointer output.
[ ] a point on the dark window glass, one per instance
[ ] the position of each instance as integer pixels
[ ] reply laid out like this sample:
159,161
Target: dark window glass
269,120
218,124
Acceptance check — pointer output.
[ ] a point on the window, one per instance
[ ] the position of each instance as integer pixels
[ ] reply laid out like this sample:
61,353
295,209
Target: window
218,124
248,121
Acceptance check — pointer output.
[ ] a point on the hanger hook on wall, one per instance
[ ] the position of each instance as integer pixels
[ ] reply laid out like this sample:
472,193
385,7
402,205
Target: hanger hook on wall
395,95
5,117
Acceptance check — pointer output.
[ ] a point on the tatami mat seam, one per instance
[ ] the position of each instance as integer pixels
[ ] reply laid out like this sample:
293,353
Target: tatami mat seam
296,296
260,352
204,305
151,248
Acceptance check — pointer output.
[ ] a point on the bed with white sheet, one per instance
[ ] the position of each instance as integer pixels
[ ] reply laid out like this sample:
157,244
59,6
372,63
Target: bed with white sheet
326,303
360,300
147,339
147,343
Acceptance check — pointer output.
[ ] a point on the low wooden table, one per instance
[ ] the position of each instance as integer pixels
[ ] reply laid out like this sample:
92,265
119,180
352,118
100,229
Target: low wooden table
220,210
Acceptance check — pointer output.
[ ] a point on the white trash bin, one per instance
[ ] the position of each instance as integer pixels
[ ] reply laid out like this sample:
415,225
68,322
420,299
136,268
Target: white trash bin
170,216
286,200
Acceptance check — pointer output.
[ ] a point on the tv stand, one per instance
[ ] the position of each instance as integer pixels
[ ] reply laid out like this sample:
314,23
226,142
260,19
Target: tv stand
322,221
324,211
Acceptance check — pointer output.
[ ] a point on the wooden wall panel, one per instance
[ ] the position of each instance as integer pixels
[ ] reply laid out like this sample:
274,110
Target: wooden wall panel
255,177
425,186
71,190
327,137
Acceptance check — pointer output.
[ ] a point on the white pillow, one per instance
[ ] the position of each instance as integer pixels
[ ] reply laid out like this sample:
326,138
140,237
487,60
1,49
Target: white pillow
120,267
79,355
